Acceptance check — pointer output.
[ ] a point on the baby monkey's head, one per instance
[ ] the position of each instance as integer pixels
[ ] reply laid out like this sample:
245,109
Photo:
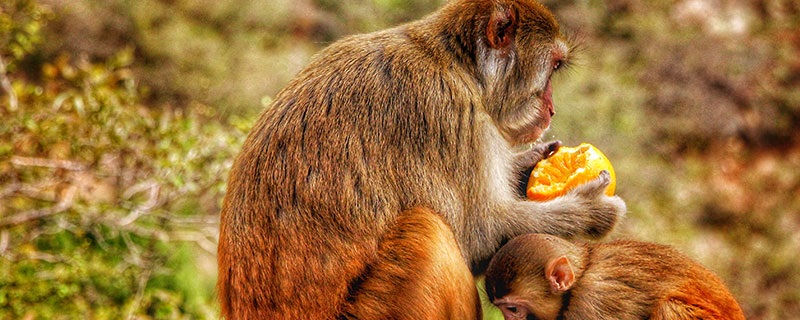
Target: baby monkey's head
529,276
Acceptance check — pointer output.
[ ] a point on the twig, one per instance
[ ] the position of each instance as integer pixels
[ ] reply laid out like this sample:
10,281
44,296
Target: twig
198,221
135,253
140,231
9,189
3,242
139,187
48,163
62,206
144,208
41,190
45,257
6,84
30,215
139,294
198,238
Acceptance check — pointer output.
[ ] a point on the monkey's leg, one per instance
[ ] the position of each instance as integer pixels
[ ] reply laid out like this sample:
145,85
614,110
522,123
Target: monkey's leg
691,305
419,274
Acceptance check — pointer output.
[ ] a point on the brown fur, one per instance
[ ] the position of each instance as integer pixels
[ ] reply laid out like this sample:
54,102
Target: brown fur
419,274
426,114
616,280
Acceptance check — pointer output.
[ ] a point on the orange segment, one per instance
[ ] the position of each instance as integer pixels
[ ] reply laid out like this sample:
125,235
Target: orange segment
566,169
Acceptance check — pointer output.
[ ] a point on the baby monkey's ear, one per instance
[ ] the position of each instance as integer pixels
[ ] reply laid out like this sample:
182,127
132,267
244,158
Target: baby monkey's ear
559,273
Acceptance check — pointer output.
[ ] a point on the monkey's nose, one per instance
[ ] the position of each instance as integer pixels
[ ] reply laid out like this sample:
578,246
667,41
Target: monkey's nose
552,112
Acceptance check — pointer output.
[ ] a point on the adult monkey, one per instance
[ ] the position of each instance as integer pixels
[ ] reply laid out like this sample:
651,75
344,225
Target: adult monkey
316,221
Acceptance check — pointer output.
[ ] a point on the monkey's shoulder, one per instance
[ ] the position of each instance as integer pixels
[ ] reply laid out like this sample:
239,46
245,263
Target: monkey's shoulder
686,289
643,266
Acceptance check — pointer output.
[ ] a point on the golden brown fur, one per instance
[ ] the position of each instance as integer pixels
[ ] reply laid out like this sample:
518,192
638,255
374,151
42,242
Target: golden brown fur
427,114
419,274
616,280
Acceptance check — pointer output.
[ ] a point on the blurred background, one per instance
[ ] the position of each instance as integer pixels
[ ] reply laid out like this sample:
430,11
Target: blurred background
119,121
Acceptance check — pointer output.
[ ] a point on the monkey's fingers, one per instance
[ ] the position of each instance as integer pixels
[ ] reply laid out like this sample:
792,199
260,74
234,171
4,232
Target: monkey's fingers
594,187
529,159
547,149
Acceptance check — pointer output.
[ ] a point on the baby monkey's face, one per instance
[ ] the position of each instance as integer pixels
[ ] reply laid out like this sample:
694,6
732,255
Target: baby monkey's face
533,302
513,311
529,276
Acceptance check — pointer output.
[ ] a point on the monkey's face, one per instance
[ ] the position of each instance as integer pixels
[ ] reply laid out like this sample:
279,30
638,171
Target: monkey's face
529,298
516,280
515,283
513,310
520,94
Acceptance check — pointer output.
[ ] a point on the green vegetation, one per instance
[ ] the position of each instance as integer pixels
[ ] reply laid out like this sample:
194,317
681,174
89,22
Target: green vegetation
101,194
120,120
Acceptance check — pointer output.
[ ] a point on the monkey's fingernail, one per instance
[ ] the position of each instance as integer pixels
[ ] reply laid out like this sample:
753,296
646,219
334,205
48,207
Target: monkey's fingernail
554,146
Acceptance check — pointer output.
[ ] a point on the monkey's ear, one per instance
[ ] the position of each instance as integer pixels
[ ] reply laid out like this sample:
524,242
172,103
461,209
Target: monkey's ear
502,28
559,273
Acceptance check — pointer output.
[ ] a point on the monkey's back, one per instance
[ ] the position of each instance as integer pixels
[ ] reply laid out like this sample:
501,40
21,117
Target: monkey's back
658,281
328,167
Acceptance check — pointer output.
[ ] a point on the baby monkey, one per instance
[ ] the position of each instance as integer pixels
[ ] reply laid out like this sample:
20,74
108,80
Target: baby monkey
538,276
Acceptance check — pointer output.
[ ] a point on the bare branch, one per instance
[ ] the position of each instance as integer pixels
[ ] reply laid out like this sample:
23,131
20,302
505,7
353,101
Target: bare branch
143,279
3,242
62,206
43,190
144,208
48,163
140,231
202,240
139,187
196,221
36,255
30,215
13,104
9,189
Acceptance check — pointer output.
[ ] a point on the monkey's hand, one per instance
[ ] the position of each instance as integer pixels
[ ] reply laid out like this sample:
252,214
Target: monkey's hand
600,211
527,160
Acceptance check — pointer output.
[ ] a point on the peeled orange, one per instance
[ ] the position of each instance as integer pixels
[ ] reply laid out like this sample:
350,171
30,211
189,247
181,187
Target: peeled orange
566,169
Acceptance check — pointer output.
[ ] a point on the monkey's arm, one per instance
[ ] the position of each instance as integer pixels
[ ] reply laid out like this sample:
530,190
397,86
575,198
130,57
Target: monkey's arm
585,210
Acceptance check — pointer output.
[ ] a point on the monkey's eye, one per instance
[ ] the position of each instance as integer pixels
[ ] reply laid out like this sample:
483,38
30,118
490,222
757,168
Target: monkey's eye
557,64
516,311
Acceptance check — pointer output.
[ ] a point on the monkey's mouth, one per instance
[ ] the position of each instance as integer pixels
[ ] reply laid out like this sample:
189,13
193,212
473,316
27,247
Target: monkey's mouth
543,113
548,108
538,112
